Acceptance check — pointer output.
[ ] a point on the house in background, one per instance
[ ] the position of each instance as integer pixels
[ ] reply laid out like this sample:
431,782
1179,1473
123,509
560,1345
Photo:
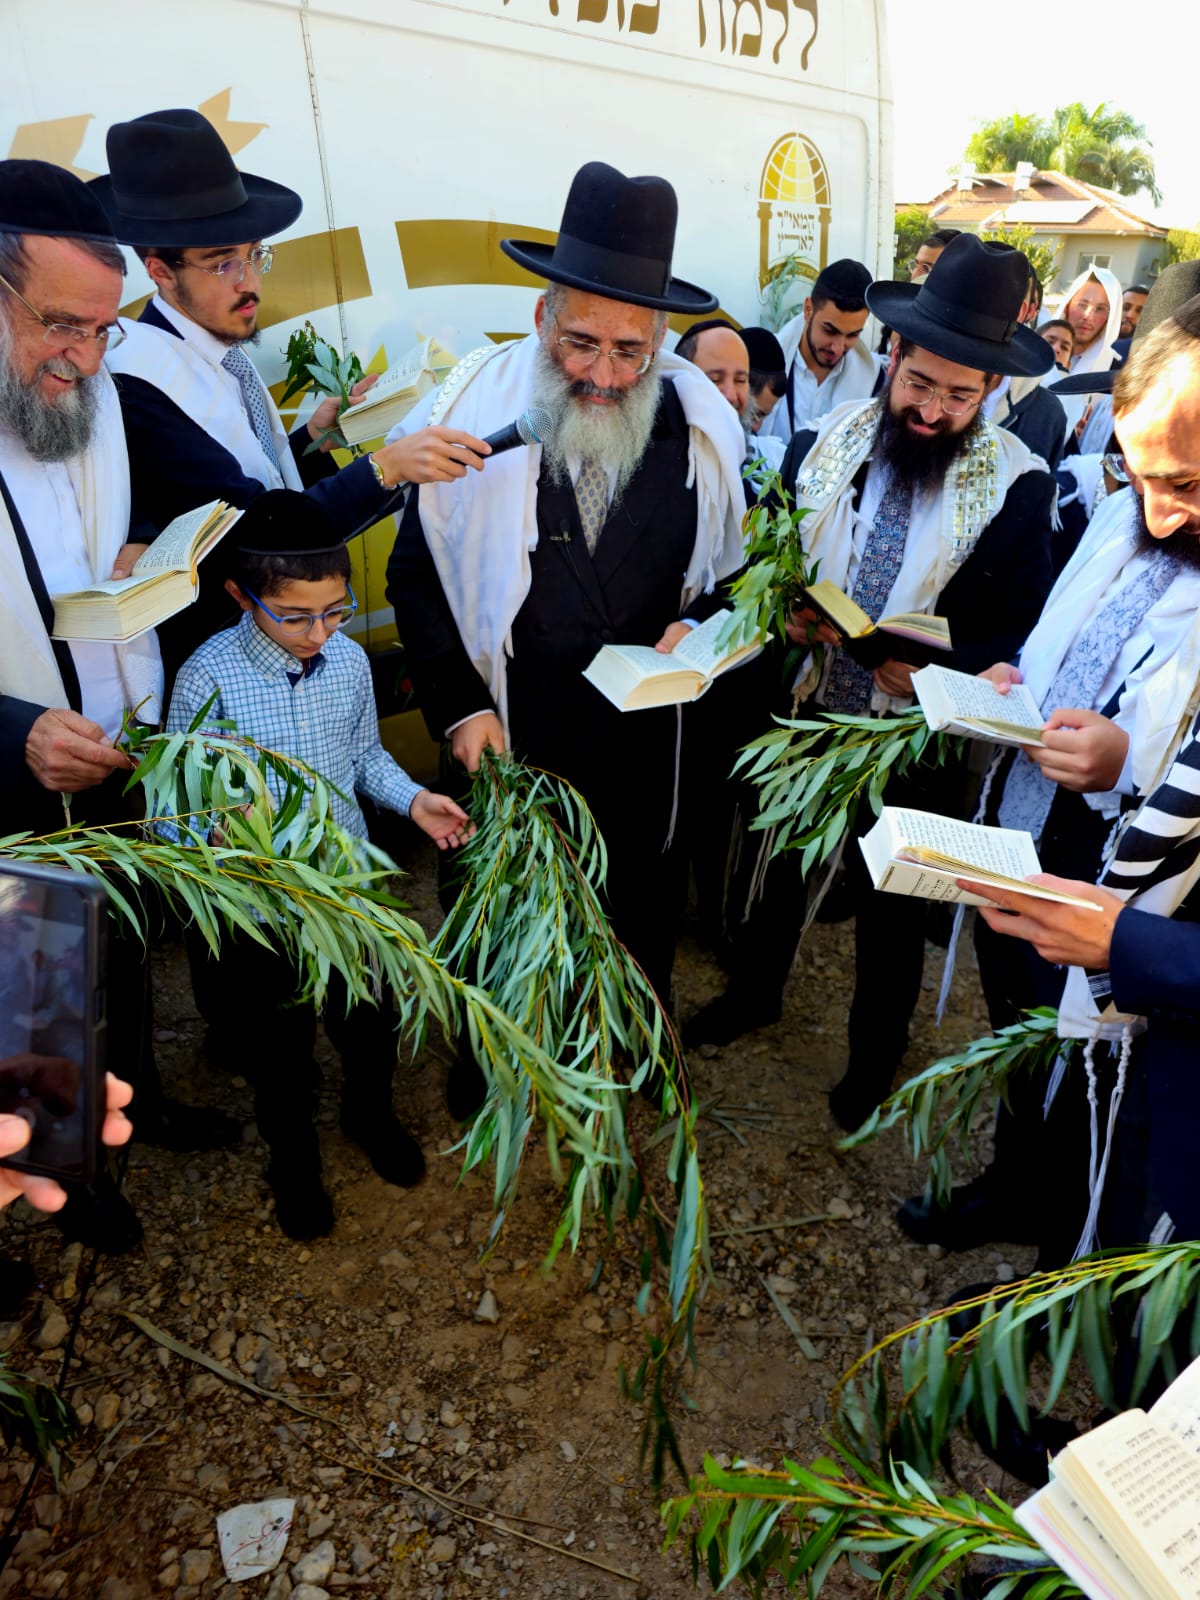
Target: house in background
1085,225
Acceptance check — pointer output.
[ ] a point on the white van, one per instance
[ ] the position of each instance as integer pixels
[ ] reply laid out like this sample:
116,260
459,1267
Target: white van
422,132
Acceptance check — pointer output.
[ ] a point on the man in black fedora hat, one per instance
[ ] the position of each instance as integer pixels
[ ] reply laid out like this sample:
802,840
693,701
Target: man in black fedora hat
199,420
65,523
614,531
827,362
915,503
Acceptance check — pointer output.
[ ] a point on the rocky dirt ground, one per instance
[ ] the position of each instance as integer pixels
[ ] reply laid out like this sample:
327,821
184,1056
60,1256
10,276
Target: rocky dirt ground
388,1361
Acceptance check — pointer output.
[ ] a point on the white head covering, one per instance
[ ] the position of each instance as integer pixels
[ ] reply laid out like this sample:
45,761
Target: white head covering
1099,355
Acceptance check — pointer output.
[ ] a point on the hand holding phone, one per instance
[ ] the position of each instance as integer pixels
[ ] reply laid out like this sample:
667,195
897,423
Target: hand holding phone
15,1134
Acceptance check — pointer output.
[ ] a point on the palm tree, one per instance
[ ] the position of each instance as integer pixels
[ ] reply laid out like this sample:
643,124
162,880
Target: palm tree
1104,146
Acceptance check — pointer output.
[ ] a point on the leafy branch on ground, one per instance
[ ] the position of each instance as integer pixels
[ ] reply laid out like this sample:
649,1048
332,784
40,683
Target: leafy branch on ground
35,1419
314,366
529,927
944,1099
957,1365
814,774
887,1525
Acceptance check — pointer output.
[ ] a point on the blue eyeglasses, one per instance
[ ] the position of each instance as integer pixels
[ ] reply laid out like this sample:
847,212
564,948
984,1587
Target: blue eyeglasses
302,622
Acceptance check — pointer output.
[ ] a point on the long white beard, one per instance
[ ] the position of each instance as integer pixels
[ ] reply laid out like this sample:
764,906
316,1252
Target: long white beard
614,436
50,430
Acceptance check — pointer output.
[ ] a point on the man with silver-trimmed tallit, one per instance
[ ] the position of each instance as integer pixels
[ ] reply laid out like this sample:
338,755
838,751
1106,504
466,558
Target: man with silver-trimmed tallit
916,503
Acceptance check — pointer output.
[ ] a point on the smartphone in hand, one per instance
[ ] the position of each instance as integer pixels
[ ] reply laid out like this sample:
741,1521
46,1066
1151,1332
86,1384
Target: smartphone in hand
52,1016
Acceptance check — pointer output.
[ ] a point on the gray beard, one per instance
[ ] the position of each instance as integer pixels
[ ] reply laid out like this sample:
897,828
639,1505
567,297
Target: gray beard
50,430
615,437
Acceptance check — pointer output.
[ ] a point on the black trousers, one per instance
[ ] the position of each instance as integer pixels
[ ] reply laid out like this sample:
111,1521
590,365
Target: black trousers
264,1032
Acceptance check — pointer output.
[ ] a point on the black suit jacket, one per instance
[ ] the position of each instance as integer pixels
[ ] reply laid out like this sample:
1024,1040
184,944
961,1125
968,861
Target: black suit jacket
627,593
996,596
1039,421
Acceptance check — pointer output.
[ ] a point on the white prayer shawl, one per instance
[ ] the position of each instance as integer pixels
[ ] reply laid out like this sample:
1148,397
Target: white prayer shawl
1157,693
188,371
482,530
100,478
941,523
1099,355
1088,472
854,378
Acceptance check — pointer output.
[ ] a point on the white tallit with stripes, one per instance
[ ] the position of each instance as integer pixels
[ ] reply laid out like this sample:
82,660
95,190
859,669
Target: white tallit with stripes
482,529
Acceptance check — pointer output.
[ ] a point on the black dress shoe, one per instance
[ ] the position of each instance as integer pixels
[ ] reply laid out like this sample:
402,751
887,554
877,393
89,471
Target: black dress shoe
466,1087
852,1101
976,1214
98,1216
389,1147
303,1209
727,1018
1025,1453
173,1126
17,1279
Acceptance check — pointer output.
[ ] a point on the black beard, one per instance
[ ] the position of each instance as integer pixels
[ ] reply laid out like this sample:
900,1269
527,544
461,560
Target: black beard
1183,544
915,463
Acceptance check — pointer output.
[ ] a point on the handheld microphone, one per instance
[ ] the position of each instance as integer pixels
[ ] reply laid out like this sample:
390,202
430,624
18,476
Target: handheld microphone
534,426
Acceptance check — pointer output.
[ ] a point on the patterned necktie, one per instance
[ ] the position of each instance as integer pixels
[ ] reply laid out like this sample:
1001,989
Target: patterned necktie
848,688
1028,795
591,496
238,362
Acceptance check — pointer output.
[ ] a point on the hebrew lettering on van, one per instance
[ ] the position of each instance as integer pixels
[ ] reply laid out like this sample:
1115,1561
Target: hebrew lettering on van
748,28
643,18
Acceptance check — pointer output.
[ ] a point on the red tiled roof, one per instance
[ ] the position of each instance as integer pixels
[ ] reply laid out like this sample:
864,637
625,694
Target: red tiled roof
1053,203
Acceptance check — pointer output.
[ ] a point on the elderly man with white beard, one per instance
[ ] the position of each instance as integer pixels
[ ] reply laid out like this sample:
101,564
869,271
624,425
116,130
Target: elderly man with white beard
507,583
64,523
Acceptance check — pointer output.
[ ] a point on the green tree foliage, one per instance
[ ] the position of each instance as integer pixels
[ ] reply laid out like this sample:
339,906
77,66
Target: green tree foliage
1183,244
1104,146
913,227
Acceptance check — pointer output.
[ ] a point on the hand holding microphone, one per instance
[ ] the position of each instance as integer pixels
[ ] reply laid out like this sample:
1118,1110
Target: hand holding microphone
439,455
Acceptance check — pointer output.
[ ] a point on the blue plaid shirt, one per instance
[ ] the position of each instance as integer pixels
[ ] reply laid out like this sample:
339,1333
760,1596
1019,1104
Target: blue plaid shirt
324,716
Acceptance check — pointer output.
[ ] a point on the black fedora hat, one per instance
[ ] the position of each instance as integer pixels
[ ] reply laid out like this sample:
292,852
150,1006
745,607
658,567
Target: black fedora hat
1173,287
171,181
616,240
966,309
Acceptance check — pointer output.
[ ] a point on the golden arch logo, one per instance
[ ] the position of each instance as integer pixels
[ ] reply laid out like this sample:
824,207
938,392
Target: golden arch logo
793,208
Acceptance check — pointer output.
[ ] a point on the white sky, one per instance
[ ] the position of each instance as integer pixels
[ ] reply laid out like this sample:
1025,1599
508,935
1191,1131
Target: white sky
956,63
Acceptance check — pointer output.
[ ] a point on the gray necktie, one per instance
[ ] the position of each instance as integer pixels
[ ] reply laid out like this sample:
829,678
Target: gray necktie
848,687
1028,795
238,362
591,496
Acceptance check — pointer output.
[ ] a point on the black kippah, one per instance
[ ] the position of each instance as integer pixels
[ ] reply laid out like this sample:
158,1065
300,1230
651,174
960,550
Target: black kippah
843,280
764,349
284,522
38,197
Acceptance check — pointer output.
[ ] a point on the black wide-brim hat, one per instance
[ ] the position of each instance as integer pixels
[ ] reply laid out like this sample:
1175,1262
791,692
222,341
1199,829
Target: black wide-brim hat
171,181
616,240
38,197
1174,287
967,308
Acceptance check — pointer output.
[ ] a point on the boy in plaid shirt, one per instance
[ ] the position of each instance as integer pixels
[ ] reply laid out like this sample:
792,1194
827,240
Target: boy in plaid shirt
290,681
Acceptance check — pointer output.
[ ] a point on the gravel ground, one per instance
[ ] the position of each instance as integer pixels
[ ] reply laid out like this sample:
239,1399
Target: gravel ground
388,1360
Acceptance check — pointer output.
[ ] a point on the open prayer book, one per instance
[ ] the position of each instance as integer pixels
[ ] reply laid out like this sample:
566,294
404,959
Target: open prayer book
920,853
958,703
636,676
391,399
164,580
909,636
1121,1513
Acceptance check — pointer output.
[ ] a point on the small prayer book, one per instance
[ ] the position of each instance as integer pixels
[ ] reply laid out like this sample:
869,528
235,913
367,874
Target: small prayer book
955,702
909,636
164,580
636,676
1121,1513
920,853
391,399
